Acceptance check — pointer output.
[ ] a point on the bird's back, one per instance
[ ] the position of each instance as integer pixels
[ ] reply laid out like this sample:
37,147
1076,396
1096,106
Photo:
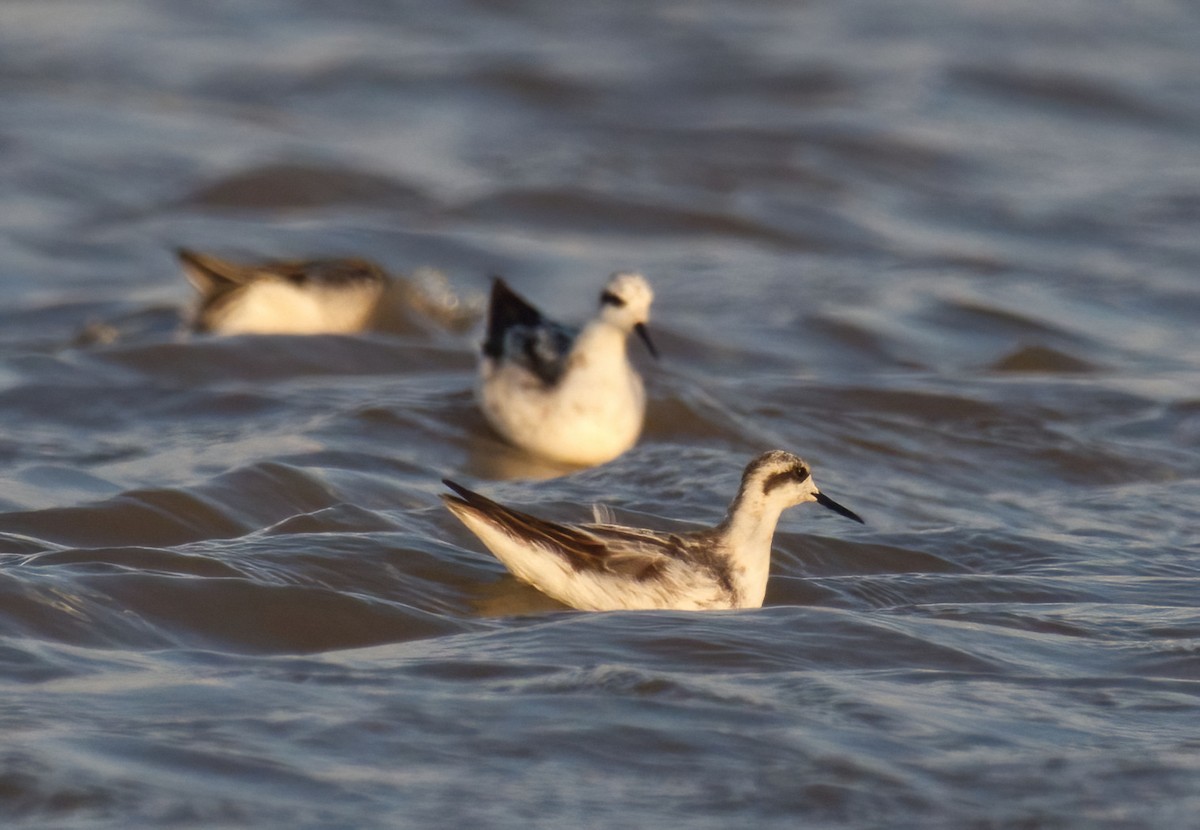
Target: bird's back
599,567
519,334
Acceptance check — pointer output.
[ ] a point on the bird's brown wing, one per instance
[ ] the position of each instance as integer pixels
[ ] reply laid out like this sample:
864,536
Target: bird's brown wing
598,548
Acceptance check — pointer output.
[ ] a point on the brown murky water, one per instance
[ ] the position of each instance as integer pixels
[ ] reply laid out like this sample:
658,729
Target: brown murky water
947,252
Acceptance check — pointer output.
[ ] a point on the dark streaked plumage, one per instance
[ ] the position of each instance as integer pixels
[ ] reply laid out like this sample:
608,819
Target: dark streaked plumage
603,566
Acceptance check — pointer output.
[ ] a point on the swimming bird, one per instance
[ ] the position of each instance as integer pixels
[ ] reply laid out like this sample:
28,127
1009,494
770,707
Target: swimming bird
605,566
563,394
320,296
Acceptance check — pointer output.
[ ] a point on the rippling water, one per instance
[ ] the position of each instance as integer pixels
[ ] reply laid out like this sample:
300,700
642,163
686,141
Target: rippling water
947,252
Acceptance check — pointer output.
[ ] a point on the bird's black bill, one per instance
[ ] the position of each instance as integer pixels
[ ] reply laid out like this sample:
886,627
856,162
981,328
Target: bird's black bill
825,501
644,333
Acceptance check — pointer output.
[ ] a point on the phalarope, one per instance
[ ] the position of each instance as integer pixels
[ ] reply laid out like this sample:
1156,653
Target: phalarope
564,394
605,566
320,296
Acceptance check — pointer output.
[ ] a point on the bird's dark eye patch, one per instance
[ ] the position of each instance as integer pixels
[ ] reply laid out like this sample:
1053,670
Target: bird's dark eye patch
776,480
779,479
609,298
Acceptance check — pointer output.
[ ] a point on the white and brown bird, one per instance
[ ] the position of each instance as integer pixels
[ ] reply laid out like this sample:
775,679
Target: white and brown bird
319,296
564,394
605,566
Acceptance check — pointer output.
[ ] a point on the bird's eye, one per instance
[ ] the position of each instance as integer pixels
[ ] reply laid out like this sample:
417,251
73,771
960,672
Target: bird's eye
609,298
801,473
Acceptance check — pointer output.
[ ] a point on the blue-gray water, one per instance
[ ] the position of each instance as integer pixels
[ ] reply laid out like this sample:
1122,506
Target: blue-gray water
948,252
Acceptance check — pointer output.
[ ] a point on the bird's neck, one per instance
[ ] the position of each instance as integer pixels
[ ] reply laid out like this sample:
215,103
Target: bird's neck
746,533
602,345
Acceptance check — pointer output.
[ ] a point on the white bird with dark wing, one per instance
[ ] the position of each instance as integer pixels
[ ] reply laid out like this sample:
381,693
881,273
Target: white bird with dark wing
606,567
563,394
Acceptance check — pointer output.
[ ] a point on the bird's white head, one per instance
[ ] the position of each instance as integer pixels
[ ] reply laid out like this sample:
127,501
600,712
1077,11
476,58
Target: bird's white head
625,303
780,480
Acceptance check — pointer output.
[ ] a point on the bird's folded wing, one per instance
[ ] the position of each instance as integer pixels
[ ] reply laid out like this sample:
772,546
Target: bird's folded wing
598,548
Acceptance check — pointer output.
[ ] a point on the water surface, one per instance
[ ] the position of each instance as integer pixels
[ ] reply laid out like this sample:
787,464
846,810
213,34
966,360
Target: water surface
946,252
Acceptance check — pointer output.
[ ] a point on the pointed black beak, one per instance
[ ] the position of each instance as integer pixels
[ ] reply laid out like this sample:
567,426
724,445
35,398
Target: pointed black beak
644,333
825,501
